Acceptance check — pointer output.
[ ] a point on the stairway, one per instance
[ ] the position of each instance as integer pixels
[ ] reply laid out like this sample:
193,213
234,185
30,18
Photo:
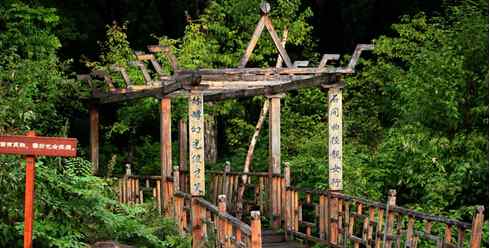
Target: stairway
273,239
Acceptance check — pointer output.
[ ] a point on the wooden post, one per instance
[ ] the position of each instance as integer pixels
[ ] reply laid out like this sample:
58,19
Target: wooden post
390,218
94,138
333,215
176,182
221,225
183,145
196,223
335,138
196,144
29,197
165,153
275,157
476,228
256,235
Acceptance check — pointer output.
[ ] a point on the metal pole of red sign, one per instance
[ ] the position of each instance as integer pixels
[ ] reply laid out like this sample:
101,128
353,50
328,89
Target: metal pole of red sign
29,197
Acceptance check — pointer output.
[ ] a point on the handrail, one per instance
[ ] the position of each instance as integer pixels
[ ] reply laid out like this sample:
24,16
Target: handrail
335,213
398,209
233,220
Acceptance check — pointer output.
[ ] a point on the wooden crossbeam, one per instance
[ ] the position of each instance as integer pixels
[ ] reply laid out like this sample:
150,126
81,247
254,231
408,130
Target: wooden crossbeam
167,51
139,91
357,53
275,89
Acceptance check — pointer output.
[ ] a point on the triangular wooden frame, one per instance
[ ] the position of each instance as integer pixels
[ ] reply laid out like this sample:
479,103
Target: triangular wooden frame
265,21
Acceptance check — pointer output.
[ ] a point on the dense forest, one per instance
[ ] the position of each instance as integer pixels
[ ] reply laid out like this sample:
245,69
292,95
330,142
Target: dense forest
415,112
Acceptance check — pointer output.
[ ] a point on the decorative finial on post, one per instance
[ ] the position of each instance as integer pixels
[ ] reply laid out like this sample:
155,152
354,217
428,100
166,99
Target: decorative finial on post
265,8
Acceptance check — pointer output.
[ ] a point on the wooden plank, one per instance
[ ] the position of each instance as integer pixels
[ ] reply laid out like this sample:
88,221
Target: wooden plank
410,232
196,144
253,42
379,228
447,235
334,228
369,235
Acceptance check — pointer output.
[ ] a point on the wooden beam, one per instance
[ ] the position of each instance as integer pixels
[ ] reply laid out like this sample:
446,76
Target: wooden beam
357,53
252,42
167,51
277,42
267,71
94,138
139,91
270,90
283,44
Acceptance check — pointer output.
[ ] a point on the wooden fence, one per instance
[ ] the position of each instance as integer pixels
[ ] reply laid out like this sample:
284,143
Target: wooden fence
214,225
325,217
339,220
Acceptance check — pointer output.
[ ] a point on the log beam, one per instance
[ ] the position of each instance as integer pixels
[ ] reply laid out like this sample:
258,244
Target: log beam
94,138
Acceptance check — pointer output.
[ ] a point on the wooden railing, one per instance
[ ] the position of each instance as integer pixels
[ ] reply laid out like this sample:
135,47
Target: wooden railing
214,225
325,217
339,220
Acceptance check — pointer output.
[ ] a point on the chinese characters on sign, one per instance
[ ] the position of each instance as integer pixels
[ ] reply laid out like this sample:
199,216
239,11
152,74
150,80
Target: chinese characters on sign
335,138
196,143
38,146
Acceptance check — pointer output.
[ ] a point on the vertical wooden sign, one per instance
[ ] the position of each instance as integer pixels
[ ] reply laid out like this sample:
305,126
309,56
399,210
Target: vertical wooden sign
335,138
196,144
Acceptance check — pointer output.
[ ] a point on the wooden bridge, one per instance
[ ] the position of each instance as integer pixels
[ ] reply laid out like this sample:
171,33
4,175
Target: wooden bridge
306,217
253,209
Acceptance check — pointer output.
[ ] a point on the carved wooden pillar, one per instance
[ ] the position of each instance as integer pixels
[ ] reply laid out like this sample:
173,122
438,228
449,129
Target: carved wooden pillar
275,159
94,138
196,144
196,162
166,154
335,138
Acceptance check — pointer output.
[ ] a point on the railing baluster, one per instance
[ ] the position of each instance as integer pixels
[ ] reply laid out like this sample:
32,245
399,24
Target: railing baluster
256,235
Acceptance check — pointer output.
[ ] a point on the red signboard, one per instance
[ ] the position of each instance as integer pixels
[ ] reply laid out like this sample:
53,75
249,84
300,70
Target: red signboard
33,146
38,146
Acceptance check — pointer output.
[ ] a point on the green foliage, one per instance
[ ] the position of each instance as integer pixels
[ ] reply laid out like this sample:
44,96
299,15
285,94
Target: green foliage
34,90
74,208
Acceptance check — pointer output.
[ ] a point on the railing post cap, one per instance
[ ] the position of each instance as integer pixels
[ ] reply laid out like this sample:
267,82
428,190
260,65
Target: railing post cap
392,192
255,214
176,167
480,209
